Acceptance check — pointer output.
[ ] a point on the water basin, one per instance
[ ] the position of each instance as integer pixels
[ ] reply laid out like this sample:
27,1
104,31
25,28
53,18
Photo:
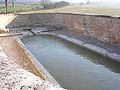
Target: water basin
74,67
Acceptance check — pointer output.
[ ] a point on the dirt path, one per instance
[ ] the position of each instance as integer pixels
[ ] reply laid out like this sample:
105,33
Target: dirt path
10,48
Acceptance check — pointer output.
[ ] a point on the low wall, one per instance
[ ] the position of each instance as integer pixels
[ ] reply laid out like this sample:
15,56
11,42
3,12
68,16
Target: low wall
103,28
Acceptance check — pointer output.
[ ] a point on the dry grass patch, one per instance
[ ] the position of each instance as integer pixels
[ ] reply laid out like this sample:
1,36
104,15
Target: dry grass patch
84,9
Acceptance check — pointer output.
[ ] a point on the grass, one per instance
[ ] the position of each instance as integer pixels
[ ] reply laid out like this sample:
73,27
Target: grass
21,7
84,9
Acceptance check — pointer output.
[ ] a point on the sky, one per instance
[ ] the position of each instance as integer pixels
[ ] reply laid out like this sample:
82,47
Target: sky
104,2
78,1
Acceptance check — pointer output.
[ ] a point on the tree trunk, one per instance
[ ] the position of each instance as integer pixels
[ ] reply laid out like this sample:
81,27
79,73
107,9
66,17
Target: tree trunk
6,5
13,4
14,8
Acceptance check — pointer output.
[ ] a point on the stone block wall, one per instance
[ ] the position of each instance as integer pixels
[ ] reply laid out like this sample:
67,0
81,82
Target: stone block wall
103,28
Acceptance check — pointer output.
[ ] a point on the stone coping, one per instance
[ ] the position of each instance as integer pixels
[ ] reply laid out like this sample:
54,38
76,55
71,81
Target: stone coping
94,15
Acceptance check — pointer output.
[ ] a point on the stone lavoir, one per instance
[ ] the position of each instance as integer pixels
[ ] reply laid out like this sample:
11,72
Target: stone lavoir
74,67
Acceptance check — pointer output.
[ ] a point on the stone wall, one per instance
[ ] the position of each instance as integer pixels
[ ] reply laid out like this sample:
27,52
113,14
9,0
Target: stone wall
103,28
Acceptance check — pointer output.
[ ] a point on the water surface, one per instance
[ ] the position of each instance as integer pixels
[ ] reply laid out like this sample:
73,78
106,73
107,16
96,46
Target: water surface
75,68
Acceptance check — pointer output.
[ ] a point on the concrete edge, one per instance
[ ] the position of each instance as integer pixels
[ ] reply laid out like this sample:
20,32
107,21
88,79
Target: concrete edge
95,15
101,51
46,75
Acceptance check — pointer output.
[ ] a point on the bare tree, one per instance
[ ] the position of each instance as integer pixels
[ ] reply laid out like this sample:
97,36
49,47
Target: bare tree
13,4
45,2
88,2
6,1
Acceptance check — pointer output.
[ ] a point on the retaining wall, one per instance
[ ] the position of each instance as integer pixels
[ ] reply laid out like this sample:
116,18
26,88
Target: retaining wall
103,28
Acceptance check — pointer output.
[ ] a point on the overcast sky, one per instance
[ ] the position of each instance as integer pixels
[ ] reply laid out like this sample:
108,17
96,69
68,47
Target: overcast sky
75,1
105,2
78,1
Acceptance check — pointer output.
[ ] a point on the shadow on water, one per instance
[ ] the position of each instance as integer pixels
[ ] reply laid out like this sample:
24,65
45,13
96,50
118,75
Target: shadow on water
30,30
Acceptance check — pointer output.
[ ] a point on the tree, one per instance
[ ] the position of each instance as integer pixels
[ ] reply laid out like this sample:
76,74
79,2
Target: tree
6,5
88,2
6,1
60,4
45,3
13,4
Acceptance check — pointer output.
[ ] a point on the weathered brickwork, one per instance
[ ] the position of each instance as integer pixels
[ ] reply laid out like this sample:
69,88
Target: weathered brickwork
103,28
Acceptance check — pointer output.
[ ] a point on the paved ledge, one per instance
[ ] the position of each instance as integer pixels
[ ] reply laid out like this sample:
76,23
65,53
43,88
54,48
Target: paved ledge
94,15
13,77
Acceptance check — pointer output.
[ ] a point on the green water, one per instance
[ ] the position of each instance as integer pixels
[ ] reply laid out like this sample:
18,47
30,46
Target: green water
75,68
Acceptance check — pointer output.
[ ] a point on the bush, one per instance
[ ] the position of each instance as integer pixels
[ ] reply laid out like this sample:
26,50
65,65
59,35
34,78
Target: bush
56,5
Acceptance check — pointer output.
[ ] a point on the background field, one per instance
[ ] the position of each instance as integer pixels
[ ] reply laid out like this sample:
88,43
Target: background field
21,7
86,9
82,9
